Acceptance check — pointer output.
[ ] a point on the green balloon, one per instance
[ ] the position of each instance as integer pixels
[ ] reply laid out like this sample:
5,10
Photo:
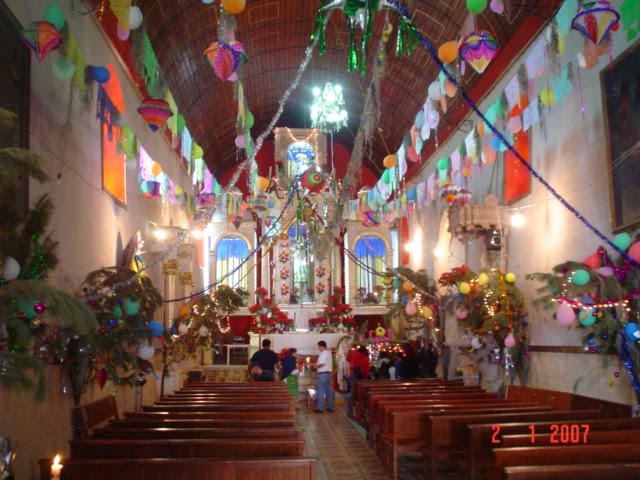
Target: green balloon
580,277
54,16
622,241
63,69
146,187
248,120
476,6
586,316
131,306
443,163
180,123
117,311
397,283
386,176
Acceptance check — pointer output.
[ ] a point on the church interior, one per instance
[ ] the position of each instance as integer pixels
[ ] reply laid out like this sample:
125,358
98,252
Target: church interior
319,239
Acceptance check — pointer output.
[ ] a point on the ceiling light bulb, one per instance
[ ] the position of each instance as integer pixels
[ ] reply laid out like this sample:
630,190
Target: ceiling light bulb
338,88
408,247
439,252
197,233
160,234
316,91
518,220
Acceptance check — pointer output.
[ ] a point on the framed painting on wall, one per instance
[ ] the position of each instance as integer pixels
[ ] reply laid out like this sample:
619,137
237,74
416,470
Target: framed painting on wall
620,83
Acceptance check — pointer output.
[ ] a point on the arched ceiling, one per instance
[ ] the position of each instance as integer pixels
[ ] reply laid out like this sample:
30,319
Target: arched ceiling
275,34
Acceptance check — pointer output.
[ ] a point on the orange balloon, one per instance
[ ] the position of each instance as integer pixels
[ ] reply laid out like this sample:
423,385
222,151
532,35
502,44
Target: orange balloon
448,51
390,161
233,6
263,183
407,287
480,127
450,88
156,169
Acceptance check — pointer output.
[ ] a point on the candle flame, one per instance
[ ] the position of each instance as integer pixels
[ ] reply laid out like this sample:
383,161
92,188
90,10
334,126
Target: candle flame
56,460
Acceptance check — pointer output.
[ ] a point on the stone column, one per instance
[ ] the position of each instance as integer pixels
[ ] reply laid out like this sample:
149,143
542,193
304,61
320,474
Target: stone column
170,269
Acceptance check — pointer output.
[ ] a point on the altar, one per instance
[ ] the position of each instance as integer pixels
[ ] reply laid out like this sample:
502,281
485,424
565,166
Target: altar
305,342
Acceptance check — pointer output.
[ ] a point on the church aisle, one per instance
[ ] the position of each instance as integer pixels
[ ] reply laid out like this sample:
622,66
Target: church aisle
343,450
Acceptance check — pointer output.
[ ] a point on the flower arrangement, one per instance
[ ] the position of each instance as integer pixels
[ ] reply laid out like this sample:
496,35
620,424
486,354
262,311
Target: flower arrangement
320,288
284,289
284,256
267,316
321,271
284,273
378,289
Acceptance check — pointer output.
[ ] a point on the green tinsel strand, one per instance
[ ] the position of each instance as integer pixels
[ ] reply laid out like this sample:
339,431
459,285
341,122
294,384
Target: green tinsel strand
364,58
400,40
353,52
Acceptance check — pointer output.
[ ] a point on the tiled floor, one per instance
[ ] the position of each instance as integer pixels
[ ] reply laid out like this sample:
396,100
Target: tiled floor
343,450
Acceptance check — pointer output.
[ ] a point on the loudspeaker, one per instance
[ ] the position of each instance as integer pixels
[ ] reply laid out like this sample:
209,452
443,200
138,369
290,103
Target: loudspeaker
493,239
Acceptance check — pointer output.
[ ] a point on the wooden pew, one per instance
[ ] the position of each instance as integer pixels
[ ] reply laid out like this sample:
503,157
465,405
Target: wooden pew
179,448
576,454
583,436
86,417
448,434
604,471
222,400
198,423
483,438
255,415
408,428
223,407
139,432
303,468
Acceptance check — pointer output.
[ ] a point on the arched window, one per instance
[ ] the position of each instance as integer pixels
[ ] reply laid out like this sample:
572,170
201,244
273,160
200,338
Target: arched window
300,156
231,251
371,252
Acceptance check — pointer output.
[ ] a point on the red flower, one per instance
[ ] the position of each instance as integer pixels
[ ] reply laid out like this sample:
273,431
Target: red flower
254,308
267,301
338,290
261,291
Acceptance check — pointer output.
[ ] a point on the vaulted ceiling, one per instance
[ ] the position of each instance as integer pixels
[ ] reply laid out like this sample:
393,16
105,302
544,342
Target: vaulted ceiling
275,34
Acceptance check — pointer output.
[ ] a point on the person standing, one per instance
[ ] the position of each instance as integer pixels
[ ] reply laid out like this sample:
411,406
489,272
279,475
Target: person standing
268,360
289,363
323,383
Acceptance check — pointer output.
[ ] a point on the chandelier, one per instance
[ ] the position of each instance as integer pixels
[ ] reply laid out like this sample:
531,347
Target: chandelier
327,111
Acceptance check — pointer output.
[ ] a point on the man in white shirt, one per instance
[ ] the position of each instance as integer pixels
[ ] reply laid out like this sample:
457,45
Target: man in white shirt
323,384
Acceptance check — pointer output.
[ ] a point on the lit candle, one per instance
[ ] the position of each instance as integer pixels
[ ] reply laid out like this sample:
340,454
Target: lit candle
308,359
55,468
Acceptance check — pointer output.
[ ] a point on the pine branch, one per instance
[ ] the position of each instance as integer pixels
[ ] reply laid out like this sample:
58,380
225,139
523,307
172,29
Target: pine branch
16,161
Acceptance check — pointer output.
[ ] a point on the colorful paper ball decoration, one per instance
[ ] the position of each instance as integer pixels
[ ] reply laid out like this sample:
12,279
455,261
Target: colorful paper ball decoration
380,332
476,6
131,306
565,314
41,38
225,58
510,277
156,328
622,241
595,20
411,308
586,317
54,16
10,269
233,7
448,51
390,161
146,351
478,49
580,277
155,112
449,193
632,331
312,179
260,203
464,288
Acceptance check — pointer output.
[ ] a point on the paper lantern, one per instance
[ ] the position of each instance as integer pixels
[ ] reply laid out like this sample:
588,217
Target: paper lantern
449,193
448,51
155,112
595,20
312,180
565,314
464,288
233,6
146,351
41,38
510,341
390,161
10,269
156,169
463,197
478,48
476,6
225,58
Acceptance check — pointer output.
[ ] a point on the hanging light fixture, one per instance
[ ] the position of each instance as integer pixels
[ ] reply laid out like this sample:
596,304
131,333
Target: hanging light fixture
327,111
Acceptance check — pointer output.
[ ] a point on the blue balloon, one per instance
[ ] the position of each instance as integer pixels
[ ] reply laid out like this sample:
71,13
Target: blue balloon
101,74
404,300
173,331
411,194
420,119
156,328
633,331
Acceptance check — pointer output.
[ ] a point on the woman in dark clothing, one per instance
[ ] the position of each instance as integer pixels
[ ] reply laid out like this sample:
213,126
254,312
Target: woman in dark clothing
409,363
289,363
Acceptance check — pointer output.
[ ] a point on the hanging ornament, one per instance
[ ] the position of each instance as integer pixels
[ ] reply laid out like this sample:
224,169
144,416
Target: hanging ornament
41,38
203,331
463,197
312,179
390,161
595,20
510,341
39,308
478,49
146,351
448,51
233,7
411,309
54,16
135,18
449,193
565,314
476,6
155,112
10,268
100,74
225,58
63,69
